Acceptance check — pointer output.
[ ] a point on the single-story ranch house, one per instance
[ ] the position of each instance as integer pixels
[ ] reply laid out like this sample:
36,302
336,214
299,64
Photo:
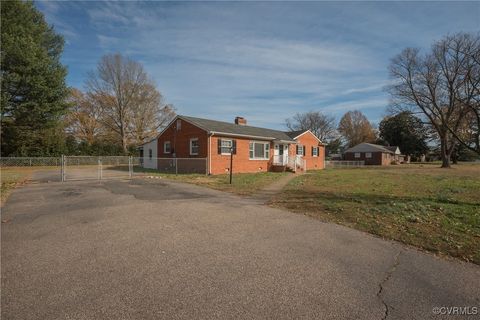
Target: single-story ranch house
210,142
374,154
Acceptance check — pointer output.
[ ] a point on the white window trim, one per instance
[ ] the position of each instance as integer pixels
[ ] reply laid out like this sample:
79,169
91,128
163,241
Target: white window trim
317,151
192,153
264,150
357,155
301,147
231,144
368,155
165,147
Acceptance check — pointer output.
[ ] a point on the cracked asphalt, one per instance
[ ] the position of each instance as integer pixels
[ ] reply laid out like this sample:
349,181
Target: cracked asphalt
153,249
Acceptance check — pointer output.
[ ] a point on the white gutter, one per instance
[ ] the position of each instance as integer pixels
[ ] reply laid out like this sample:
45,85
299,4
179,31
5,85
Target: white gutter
247,136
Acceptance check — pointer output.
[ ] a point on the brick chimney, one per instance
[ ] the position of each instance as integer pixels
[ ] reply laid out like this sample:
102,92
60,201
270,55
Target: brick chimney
241,121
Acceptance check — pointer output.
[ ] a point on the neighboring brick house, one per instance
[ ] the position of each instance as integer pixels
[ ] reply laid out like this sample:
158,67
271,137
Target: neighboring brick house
374,154
254,149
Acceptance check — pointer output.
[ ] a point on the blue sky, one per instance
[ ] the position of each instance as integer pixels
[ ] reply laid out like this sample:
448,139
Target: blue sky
261,60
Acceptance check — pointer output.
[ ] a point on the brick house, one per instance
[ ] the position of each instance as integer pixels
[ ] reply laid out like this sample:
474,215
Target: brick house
254,149
374,154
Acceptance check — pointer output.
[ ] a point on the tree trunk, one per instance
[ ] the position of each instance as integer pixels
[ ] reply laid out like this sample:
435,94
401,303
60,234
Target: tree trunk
445,152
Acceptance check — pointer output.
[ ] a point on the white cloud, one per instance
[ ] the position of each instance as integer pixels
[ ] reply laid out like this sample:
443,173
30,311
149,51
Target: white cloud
264,60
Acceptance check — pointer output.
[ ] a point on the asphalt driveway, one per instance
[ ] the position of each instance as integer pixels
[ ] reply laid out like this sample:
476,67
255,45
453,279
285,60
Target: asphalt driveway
150,249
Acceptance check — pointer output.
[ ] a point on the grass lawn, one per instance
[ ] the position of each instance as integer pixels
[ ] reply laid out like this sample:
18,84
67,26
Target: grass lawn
425,206
10,178
242,183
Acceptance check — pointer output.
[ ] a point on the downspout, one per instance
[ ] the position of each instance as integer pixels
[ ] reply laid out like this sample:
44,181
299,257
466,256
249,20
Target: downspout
210,153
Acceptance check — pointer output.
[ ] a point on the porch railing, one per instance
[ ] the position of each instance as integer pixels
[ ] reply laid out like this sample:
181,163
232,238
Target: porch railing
280,160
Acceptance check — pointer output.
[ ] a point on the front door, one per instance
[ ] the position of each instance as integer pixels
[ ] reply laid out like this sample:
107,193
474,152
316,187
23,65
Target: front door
280,153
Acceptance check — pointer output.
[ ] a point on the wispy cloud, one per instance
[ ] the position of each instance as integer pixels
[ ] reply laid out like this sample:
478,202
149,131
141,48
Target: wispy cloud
261,60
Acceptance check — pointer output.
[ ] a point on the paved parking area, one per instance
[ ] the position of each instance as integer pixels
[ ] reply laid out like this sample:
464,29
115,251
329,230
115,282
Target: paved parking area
151,249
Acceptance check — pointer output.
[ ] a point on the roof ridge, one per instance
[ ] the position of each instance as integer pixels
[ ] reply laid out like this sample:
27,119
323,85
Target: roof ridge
230,123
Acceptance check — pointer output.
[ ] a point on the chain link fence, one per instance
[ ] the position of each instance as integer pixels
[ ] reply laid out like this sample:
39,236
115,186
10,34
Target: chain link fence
170,165
65,168
344,164
30,161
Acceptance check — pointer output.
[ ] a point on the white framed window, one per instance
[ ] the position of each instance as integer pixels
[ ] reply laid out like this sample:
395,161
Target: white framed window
300,150
226,146
315,152
357,154
150,154
194,146
368,154
167,147
259,150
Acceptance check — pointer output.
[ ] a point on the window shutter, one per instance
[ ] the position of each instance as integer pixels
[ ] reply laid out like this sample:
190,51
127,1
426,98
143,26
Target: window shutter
296,152
234,146
219,146
312,151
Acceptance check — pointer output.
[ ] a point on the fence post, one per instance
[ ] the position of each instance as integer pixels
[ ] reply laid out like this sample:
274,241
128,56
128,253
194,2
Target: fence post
130,167
176,166
64,164
100,173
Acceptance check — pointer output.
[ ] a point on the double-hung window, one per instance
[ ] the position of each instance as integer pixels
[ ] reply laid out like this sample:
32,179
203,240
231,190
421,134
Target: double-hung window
194,146
357,154
259,150
300,150
167,147
226,146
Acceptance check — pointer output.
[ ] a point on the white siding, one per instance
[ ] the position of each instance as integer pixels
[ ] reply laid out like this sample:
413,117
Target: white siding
150,163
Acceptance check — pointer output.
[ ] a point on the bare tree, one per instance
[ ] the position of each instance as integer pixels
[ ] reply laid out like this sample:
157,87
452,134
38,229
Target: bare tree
83,120
129,102
468,95
442,86
355,128
323,126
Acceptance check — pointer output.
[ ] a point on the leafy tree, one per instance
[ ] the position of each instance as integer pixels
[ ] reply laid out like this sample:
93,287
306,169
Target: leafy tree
405,131
355,128
443,87
33,83
323,126
83,120
334,146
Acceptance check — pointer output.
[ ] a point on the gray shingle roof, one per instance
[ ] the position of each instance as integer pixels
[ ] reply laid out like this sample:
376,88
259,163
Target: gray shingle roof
294,134
214,126
368,147
392,148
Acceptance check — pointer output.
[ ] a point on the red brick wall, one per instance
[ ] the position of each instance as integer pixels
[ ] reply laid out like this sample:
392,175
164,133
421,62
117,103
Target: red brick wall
309,140
180,141
241,160
378,158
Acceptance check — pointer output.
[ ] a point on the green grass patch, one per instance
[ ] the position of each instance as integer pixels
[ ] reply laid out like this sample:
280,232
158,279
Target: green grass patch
431,208
242,183
10,178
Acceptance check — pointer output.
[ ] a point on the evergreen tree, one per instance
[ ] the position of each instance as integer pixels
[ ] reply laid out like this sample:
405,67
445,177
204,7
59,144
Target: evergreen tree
405,131
33,83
